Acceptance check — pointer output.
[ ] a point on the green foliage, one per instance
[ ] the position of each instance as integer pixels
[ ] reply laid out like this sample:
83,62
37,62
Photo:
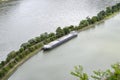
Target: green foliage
101,15
118,6
51,34
37,42
32,41
89,20
94,19
99,75
17,59
59,32
116,68
66,30
38,39
78,72
10,56
84,23
2,63
2,73
25,45
71,28
114,8
44,36
108,11
116,74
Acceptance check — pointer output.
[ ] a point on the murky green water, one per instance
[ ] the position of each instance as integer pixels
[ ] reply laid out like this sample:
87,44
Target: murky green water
96,48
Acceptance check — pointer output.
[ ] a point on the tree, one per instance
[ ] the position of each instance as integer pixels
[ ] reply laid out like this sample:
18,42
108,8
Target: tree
26,51
20,56
38,39
2,63
89,20
22,48
32,41
108,11
71,28
101,15
1,66
114,8
31,49
118,5
10,65
40,44
10,56
84,23
44,36
51,34
66,30
6,69
59,32
25,45
76,27
94,19
2,73
17,59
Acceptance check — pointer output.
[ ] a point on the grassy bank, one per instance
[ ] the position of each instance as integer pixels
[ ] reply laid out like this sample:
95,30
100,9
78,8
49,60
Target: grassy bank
99,22
19,64
4,1
36,51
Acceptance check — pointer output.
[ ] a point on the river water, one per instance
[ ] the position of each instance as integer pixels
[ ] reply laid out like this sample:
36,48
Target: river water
95,48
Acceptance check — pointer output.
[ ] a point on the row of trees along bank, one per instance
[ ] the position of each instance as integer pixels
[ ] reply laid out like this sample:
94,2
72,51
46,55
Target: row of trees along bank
4,1
32,45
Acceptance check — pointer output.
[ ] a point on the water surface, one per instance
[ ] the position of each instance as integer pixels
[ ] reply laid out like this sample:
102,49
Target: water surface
22,20
95,48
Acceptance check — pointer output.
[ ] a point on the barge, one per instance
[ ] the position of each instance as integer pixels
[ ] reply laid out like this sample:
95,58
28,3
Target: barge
60,41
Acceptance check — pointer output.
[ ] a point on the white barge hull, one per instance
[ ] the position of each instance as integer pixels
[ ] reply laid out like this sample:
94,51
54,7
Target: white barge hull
60,41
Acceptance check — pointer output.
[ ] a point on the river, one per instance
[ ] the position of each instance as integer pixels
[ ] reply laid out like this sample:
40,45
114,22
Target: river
96,48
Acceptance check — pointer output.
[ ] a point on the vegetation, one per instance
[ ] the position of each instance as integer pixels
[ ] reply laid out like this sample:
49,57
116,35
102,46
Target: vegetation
1,1
98,75
32,45
79,73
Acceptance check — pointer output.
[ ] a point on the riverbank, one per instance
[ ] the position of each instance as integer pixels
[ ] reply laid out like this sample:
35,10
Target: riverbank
27,50
5,1
35,52
8,3
97,23
20,63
